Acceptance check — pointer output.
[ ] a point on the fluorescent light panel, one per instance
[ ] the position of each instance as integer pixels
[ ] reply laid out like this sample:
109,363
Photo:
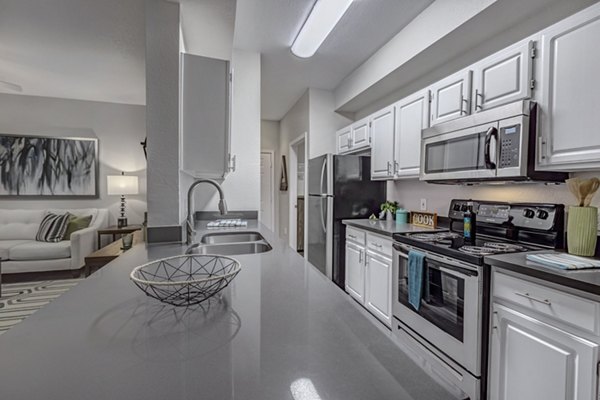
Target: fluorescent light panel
322,19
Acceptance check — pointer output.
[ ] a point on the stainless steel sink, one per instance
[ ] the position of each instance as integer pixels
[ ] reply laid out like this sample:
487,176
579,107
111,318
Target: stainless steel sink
231,237
230,249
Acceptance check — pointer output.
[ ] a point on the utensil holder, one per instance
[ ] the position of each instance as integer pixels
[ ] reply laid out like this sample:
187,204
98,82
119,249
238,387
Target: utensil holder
582,230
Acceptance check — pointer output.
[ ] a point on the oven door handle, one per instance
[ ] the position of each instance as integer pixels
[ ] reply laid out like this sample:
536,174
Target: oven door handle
448,264
489,164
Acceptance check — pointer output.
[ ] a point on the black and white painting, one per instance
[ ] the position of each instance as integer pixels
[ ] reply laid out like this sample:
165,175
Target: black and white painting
46,166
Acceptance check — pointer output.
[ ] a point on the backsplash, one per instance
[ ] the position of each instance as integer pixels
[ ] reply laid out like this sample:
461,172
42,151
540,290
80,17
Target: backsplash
408,193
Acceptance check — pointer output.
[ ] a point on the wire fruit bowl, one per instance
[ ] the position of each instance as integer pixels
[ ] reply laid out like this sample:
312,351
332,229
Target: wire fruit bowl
187,279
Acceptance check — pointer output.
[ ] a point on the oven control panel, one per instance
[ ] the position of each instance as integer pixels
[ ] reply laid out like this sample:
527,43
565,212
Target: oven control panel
524,215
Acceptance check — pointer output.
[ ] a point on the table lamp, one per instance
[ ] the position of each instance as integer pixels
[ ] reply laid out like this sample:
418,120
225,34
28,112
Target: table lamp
122,185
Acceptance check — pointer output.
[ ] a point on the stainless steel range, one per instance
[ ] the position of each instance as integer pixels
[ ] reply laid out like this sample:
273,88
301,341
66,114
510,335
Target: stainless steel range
449,331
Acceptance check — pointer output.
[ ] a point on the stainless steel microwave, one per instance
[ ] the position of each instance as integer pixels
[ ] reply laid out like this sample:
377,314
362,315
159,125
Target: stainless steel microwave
493,145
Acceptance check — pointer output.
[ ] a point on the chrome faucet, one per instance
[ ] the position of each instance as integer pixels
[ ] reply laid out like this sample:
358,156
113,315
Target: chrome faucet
190,209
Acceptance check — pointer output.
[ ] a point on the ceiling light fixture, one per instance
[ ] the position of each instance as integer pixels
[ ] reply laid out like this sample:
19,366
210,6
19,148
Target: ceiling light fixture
320,22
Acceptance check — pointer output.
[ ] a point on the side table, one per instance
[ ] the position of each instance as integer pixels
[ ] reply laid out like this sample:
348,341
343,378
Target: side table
106,254
115,230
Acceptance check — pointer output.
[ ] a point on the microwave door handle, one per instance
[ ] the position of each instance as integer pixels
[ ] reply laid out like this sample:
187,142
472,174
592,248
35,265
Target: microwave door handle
489,164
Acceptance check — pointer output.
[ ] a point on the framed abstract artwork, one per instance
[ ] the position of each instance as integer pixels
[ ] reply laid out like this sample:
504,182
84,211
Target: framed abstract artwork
48,166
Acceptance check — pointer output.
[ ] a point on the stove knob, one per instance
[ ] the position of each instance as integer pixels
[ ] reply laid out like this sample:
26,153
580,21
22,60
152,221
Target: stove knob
528,213
463,207
542,214
456,207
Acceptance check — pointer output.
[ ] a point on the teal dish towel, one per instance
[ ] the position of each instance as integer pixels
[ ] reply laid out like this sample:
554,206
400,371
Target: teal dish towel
416,261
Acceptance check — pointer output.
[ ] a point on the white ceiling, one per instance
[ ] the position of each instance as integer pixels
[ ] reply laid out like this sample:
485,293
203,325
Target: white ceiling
270,26
77,49
94,49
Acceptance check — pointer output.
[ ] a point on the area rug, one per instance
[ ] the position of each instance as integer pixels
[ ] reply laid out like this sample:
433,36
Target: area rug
20,300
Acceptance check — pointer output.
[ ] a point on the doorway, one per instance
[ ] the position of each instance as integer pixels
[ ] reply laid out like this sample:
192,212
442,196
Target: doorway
267,194
297,189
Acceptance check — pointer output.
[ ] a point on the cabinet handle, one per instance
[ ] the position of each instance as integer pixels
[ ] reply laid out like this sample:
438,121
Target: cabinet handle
389,166
528,296
352,236
396,167
541,150
376,245
466,102
478,96
360,257
349,142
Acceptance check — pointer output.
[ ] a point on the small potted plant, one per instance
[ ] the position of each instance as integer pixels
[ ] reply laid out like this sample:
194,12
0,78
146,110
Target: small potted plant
388,209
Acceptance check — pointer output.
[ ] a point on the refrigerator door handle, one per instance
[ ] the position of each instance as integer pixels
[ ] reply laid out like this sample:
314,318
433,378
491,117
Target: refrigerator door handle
323,175
323,216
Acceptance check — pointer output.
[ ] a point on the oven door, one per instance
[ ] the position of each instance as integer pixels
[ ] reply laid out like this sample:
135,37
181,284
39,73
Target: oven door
450,313
469,153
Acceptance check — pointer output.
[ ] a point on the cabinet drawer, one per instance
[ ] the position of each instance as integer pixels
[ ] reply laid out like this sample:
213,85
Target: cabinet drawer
562,306
355,235
379,244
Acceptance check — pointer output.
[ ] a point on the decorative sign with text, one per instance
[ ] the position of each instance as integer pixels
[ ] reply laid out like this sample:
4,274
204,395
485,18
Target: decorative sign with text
424,219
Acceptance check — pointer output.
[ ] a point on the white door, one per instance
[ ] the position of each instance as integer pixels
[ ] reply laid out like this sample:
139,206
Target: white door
266,190
344,139
378,284
450,97
503,77
360,134
531,360
382,143
355,271
570,131
412,116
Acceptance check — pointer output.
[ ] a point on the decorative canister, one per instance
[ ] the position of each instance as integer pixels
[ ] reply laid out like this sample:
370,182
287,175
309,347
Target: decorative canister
582,230
401,216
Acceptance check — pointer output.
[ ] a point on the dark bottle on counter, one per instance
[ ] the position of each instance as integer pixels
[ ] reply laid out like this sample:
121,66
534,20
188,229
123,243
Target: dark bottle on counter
470,224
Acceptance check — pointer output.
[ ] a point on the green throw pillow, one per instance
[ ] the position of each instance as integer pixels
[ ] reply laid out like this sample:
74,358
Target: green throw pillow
77,223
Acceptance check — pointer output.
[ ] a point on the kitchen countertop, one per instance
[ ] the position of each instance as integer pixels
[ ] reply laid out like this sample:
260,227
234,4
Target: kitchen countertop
387,228
587,280
281,331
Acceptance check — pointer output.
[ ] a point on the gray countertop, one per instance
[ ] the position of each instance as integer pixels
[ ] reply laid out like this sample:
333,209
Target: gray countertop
387,228
587,280
281,331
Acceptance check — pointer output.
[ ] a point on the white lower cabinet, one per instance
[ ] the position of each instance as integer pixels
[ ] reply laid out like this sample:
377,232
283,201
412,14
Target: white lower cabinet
355,271
378,296
369,273
534,357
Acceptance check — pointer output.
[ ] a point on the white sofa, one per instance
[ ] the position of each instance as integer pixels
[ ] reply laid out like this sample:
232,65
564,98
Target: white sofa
20,252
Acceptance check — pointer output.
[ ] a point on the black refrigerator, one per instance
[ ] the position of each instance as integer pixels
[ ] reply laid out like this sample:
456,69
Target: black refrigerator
339,187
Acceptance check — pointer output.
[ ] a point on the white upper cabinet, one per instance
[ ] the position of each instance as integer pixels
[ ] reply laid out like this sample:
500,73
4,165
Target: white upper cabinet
382,143
354,137
451,97
360,134
344,140
412,116
569,86
503,77
205,116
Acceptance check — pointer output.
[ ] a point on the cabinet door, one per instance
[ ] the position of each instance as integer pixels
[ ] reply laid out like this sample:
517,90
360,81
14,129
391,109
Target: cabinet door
360,134
344,140
412,116
570,132
205,116
355,271
378,293
503,77
531,360
450,97
382,143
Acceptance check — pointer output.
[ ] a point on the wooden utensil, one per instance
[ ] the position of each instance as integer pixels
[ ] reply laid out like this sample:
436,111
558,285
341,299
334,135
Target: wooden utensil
573,185
594,184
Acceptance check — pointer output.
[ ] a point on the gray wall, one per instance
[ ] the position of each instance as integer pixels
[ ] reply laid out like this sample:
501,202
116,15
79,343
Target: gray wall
119,128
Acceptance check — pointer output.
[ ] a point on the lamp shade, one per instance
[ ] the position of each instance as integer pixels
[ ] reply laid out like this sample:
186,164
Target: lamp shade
121,184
